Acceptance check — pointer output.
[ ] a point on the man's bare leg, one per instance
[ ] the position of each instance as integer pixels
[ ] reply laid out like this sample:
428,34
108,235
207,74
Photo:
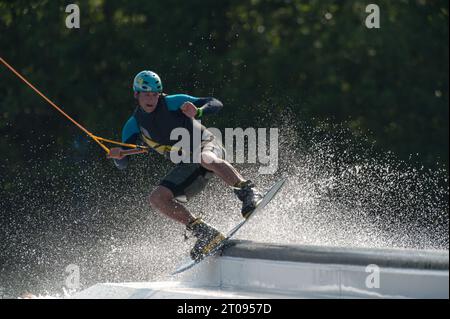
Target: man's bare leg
221,168
162,199
246,192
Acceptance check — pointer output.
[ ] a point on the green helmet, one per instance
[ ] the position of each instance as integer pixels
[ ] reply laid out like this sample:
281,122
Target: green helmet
147,81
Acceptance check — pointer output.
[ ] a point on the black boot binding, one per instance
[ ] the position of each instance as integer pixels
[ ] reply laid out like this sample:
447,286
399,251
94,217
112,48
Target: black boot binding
249,195
207,238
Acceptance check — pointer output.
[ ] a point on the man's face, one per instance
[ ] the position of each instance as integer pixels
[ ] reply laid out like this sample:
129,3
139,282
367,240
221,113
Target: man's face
147,100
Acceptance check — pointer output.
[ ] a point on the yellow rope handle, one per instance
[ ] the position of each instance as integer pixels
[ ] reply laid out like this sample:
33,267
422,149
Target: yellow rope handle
97,139
133,152
121,144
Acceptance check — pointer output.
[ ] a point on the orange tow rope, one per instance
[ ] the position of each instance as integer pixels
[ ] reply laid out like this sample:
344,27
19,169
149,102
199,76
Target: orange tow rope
97,139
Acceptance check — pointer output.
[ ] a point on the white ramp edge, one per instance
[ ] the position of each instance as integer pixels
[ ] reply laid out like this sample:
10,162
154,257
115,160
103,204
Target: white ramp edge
258,270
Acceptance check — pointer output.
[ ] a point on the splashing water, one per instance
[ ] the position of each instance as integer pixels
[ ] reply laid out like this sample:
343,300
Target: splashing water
339,192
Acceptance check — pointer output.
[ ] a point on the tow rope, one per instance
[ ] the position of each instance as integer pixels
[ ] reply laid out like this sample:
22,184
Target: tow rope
135,149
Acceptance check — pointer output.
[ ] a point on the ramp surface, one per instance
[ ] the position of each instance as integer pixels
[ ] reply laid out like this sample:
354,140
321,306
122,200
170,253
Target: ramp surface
259,270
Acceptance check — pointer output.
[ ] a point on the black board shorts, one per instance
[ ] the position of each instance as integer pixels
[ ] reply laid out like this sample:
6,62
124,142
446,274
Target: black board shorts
186,180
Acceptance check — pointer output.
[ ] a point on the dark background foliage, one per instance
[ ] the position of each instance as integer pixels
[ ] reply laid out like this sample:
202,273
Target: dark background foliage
314,61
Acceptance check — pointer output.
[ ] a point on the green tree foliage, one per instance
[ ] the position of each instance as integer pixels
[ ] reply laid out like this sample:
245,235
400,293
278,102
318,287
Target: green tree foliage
60,199
315,57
